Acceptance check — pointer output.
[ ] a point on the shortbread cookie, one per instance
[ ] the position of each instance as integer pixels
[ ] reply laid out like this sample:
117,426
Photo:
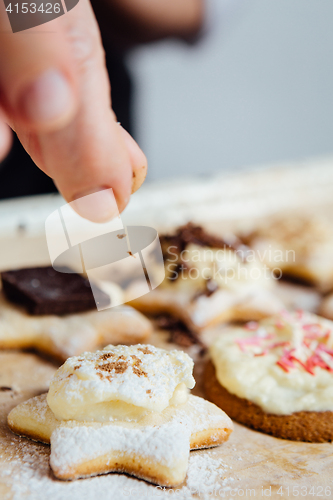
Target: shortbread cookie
300,246
210,280
65,335
276,376
122,409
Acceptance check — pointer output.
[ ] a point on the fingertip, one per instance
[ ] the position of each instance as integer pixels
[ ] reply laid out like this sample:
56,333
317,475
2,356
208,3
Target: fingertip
139,175
138,160
97,205
99,167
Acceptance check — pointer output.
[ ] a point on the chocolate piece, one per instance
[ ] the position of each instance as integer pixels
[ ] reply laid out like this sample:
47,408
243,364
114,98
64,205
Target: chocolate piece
197,235
173,246
42,290
179,333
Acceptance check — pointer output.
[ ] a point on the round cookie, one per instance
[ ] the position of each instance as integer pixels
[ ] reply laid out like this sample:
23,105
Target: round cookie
310,426
276,376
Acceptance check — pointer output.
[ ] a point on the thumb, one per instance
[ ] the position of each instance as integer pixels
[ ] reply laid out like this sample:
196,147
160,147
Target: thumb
37,83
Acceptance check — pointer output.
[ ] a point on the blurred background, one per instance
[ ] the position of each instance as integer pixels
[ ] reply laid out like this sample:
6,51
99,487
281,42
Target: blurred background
255,88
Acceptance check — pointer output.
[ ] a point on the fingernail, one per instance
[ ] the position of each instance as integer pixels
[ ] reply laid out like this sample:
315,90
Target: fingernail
50,98
99,206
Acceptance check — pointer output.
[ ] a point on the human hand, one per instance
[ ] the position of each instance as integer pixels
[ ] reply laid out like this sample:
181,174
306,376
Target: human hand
55,93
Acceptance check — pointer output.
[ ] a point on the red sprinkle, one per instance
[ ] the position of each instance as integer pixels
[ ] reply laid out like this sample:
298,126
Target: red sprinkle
278,344
306,367
309,327
323,347
315,360
312,332
283,366
249,341
263,353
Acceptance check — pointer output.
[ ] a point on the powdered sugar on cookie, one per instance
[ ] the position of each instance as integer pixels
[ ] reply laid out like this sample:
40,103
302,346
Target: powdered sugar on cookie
120,381
96,422
167,445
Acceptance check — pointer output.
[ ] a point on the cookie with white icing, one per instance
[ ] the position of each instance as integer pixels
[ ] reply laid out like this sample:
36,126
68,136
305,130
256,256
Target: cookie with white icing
300,246
122,409
276,376
210,280
61,319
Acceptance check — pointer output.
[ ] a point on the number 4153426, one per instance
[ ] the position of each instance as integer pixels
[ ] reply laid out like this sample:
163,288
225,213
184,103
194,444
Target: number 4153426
304,491
25,8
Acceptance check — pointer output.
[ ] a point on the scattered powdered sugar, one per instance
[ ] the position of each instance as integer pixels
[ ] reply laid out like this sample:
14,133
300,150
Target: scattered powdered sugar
37,405
164,441
27,472
28,476
206,476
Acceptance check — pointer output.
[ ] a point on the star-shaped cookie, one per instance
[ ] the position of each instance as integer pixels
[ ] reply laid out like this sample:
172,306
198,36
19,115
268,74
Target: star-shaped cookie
210,280
149,444
56,314
70,335
300,246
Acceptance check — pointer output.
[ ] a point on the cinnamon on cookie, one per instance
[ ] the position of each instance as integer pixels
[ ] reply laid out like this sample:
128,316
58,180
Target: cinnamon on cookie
122,409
